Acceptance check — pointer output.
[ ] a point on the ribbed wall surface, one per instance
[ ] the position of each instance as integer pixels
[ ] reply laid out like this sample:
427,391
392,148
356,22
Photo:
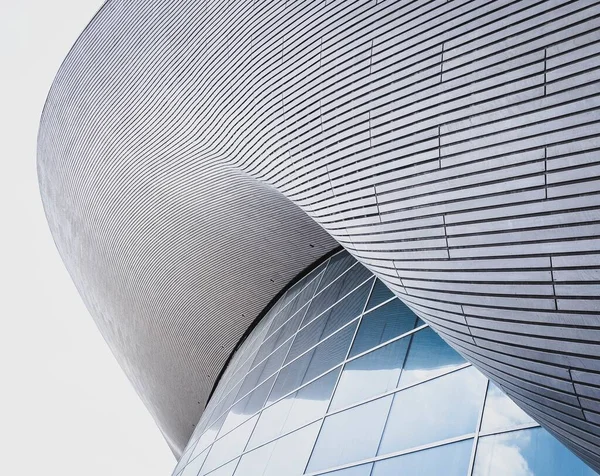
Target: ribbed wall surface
452,147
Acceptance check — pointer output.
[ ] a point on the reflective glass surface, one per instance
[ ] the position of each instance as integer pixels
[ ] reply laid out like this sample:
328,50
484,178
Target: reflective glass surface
447,460
436,410
532,452
501,413
341,378
351,435
429,356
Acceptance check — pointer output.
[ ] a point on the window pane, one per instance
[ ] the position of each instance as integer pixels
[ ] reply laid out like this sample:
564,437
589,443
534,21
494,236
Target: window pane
295,410
231,445
383,324
347,309
208,437
501,413
447,460
531,452
428,356
380,294
370,375
443,408
290,377
351,435
194,465
337,265
338,289
330,353
362,470
226,470
286,456
247,406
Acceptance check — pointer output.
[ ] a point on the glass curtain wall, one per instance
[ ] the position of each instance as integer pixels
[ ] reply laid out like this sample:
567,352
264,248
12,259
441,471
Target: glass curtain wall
340,378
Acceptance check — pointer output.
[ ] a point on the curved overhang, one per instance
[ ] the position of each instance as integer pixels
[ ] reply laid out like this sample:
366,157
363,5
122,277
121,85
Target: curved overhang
194,157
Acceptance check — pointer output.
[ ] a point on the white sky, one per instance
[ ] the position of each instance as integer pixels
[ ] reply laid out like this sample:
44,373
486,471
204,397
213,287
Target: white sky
66,408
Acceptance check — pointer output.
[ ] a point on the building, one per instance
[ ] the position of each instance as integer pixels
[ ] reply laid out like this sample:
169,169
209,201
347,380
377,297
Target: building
404,402
194,158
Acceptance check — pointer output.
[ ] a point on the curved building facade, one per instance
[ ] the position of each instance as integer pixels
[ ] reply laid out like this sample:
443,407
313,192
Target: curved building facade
194,157
341,378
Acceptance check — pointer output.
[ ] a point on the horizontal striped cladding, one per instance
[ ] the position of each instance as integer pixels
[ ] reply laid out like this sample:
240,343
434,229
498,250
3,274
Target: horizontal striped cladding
452,147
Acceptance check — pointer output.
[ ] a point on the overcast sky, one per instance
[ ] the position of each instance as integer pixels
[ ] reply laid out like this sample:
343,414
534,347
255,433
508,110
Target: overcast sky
66,408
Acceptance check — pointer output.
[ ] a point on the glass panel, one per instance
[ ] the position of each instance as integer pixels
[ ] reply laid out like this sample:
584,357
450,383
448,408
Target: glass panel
370,375
311,401
290,377
383,324
292,452
288,455
247,406
308,403
331,352
184,458
226,470
443,408
351,435
347,309
428,356
532,452
336,291
194,465
208,436
339,315
322,358
501,413
230,446
446,460
362,470
380,294
337,265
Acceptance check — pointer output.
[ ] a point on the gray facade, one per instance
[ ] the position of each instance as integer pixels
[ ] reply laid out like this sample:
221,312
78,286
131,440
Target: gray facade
194,157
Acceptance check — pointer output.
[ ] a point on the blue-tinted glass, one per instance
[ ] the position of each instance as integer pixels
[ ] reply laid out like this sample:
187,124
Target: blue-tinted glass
501,413
337,290
285,456
362,470
446,460
428,356
339,315
532,452
336,266
347,309
290,377
299,408
331,352
322,358
442,408
370,375
351,435
382,324
380,294
311,401
308,336
229,446
292,452
303,297
247,406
